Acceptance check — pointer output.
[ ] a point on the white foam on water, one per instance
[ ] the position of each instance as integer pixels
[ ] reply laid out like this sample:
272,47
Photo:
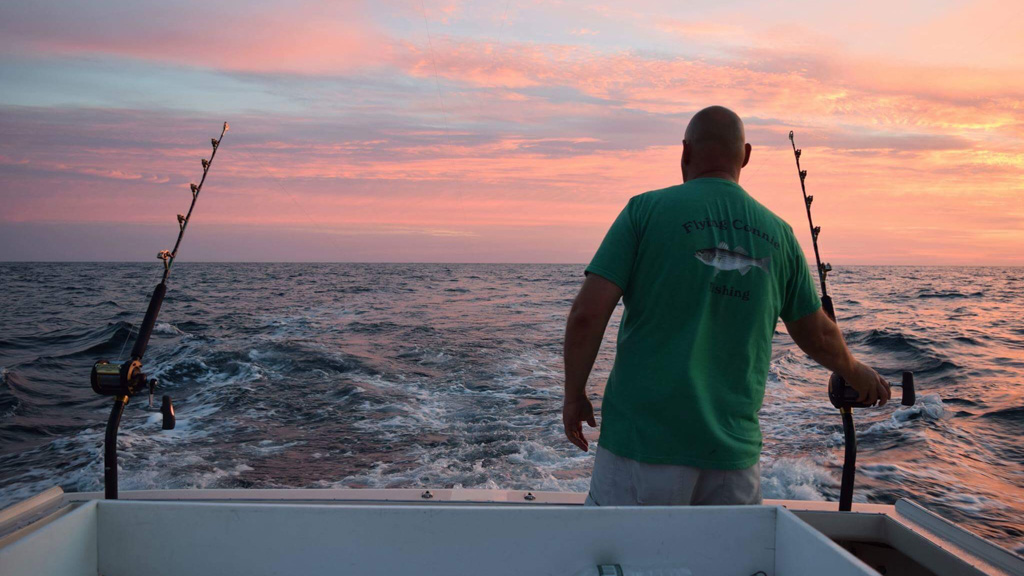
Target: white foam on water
430,470
928,407
148,457
474,402
794,479
167,329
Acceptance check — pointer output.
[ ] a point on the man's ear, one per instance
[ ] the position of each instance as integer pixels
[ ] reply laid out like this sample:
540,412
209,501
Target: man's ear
685,159
746,155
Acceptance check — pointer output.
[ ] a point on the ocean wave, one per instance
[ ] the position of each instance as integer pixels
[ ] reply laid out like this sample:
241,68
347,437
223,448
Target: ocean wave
794,479
1015,414
295,375
167,329
893,341
928,408
949,294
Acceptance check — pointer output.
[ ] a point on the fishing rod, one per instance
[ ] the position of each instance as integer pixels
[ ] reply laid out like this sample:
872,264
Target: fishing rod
840,394
823,269
122,381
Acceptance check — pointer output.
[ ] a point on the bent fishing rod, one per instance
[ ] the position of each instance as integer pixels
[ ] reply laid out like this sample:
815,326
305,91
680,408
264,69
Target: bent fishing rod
840,394
122,381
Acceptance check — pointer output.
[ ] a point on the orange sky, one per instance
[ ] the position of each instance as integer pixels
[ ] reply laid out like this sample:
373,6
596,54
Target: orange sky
501,131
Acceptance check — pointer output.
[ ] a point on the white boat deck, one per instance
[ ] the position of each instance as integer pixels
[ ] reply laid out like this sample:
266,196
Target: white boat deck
362,531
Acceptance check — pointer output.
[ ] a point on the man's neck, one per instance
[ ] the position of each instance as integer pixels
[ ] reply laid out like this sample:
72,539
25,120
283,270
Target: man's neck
721,174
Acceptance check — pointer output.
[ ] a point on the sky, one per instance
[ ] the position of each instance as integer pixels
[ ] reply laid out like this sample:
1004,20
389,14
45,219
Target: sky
500,130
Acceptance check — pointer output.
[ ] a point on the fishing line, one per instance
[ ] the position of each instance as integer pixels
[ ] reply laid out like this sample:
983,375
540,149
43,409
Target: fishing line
756,170
504,16
131,329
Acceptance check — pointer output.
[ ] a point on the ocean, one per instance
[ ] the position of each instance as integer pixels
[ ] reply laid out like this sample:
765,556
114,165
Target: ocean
449,375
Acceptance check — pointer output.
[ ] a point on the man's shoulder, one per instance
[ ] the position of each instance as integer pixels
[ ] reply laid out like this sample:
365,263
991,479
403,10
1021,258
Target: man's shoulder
770,215
642,204
654,195
694,191
646,201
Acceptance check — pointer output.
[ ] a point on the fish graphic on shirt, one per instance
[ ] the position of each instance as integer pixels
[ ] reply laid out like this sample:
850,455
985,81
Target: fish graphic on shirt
722,258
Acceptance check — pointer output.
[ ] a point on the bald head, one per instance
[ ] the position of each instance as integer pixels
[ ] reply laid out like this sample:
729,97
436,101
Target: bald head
715,145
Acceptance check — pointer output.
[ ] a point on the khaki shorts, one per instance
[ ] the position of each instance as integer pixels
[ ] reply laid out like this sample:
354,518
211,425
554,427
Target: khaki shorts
619,481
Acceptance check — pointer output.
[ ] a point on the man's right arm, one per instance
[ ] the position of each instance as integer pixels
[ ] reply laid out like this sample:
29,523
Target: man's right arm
818,336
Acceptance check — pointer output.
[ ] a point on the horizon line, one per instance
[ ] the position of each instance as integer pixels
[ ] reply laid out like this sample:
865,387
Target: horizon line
406,262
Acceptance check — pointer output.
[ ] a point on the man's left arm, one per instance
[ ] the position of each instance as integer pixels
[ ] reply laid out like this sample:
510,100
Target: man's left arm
584,331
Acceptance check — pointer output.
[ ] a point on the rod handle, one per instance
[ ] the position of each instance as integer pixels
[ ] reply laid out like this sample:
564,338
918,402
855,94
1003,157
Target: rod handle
909,395
146,330
167,410
826,305
843,396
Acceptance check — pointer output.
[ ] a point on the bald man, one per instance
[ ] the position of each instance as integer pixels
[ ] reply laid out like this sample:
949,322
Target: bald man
705,272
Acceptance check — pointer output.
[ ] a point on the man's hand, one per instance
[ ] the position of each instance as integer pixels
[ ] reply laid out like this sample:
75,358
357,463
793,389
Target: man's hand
584,330
870,384
575,412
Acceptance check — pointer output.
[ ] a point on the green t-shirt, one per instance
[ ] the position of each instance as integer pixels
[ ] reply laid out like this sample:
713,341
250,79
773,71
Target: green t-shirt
706,271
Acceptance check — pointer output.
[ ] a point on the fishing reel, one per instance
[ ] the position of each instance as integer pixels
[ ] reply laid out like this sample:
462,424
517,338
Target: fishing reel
117,380
126,380
843,396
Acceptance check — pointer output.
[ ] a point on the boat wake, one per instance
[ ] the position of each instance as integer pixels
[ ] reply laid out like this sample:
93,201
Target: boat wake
398,376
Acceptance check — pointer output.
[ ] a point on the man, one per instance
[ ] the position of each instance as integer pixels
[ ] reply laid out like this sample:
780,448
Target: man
705,272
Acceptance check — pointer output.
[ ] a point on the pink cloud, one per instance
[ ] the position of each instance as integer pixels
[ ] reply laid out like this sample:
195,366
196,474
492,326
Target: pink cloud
306,37
909,161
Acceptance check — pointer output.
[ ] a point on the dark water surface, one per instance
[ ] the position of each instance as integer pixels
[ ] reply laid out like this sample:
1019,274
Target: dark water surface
371,375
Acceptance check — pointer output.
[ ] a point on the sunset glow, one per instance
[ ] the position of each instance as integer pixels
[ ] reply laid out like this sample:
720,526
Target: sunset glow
500,131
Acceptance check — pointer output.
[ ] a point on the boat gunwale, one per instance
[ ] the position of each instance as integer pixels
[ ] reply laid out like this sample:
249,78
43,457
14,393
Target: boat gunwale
921,534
